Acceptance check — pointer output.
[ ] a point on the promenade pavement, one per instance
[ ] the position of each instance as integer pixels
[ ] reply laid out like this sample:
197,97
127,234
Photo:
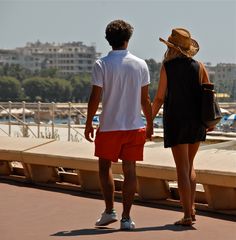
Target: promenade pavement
39,213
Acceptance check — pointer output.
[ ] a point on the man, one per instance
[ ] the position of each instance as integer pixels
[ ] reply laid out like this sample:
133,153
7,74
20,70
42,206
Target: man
122,80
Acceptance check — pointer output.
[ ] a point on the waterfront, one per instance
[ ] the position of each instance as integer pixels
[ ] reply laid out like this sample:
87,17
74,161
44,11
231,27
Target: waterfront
154,218
210,162
65,121
62,131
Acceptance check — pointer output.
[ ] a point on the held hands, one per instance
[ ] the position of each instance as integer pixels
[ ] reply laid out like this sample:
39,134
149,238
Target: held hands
89,132
149,132
210,129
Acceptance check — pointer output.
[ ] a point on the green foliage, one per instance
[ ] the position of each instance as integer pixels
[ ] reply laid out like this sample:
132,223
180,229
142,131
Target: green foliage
10,89
154,69
47,89
45,85
16,71
48,72
48,134
36,87
61,90
81,87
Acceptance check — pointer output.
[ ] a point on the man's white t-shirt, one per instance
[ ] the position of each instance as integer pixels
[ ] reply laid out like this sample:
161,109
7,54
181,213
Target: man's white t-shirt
121,76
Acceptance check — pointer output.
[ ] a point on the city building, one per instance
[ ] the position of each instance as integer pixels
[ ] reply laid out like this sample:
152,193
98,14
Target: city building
67,58
224,77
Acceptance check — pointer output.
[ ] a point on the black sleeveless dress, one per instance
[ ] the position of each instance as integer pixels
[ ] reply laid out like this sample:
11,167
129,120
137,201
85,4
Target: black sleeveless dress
182,105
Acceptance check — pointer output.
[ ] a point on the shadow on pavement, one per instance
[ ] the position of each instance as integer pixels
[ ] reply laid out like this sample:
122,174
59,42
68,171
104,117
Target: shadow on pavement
105,230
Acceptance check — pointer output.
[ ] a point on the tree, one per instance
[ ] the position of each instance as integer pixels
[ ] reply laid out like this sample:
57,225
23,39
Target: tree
36,87
16,71
47,89
154,69
48,72
61,90
81,87
10,89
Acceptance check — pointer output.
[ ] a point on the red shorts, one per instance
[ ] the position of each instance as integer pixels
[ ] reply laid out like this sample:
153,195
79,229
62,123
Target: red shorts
124,145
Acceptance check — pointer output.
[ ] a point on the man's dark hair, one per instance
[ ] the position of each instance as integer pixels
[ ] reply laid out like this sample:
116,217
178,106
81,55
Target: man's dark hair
118,32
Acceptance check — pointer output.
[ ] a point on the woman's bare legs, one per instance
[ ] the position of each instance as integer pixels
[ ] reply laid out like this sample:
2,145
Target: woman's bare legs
192,150
181,157
184,155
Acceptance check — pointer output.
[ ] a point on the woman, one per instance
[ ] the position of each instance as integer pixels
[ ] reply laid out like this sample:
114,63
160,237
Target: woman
180,91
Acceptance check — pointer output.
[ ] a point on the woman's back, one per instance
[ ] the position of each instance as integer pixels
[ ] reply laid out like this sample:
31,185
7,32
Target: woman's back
182,123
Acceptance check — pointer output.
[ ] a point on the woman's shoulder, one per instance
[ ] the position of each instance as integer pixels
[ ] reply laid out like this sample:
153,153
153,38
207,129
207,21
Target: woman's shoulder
195,63
177,61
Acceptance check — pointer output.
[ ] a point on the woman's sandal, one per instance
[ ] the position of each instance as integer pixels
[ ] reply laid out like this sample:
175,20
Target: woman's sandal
185,222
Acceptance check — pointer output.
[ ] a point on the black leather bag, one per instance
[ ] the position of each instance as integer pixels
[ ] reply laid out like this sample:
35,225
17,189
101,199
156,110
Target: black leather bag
210,111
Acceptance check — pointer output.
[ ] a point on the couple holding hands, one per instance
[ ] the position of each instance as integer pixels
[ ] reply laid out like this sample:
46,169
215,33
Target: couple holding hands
121,80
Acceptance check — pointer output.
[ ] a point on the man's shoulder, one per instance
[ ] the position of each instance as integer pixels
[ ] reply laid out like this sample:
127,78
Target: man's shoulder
103,59
136,59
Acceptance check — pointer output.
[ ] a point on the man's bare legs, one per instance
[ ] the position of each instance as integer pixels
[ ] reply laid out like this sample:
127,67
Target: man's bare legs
107,183
129,186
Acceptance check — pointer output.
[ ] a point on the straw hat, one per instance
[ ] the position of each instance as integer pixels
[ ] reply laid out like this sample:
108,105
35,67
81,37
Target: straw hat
180,39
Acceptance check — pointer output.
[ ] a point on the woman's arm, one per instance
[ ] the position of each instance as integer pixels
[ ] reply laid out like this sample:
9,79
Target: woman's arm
147,110
203,74
161,92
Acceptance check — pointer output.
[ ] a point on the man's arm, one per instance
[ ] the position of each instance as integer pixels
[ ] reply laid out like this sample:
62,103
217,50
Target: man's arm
147,110
92,108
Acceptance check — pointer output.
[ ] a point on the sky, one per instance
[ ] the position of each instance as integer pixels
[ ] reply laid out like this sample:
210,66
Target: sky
211,23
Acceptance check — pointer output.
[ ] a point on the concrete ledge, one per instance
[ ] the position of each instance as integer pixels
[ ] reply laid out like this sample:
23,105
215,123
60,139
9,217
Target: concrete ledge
200,196
216,178
68,177
153,189
5,168
220,197
89,180
18,171
222,145
215,168
78,156
11,149
43,174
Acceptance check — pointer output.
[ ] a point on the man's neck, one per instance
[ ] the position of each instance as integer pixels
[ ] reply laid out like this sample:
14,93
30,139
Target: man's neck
117,49
124,47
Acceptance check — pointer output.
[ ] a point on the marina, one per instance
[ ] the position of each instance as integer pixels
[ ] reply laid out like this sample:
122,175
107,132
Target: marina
65,121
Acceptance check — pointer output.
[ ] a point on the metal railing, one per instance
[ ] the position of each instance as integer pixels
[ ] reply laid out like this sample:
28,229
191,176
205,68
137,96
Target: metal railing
46,115
42,115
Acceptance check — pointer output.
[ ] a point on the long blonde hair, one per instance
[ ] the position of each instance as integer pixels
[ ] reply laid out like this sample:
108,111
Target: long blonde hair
172,53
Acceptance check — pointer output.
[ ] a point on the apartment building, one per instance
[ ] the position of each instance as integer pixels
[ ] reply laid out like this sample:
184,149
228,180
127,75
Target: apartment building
22,58
224,77
67,58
